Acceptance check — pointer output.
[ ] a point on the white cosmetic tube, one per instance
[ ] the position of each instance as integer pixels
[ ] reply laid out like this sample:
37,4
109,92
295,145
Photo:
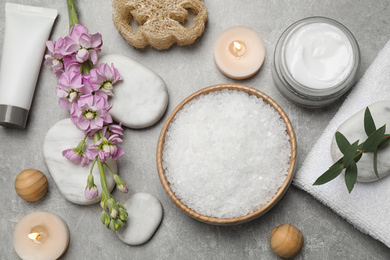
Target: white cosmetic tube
26,30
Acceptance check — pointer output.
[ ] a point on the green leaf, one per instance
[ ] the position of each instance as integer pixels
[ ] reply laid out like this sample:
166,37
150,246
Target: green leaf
373,141
384,142
369,124
330,174
376,163
358,155
350,154
342,142
351,176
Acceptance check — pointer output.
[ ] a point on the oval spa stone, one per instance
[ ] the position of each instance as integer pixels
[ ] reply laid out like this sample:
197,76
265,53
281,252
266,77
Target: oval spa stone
141,98
144,217
70,178
353,130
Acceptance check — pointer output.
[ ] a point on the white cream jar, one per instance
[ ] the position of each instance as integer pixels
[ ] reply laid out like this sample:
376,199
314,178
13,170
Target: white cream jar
316,60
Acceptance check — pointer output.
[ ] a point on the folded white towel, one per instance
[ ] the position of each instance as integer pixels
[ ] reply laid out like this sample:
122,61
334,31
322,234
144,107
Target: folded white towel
367,207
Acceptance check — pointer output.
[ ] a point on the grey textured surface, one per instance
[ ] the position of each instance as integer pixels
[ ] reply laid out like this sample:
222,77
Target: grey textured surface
186,70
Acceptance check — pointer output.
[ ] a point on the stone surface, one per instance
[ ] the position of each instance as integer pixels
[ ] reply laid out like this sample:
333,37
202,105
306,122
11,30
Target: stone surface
145,215
353,130
71,179
141,98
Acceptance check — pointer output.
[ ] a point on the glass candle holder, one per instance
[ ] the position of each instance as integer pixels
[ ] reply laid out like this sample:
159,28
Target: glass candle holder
316,61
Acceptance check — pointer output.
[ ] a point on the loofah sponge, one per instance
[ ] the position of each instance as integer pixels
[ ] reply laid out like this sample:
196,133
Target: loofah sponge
160,21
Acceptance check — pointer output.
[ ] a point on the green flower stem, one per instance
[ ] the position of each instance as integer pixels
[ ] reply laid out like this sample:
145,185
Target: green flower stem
85,137
108,167
100,164
103,178
72,12
362,151
86,67
93,165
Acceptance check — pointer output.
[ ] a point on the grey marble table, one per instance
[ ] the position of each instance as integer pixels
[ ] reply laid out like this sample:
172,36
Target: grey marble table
186,70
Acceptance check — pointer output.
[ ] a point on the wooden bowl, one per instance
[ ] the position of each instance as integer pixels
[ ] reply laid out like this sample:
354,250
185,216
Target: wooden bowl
280,192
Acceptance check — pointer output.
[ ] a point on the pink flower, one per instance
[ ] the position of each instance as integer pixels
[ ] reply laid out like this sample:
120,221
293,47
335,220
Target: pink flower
73,39
106,148
55,59
90,113
72,156
69,88
95,150
103,78
114,150
71,64
91,190
82,55
77,155
120,184
123,188
116,129
85,46
107,131
91,193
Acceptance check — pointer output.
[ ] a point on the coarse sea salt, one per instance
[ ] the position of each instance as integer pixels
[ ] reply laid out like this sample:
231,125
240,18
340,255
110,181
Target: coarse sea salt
226,154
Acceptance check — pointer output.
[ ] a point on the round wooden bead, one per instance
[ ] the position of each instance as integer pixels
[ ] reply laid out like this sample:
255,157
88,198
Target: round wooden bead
286,240
31,184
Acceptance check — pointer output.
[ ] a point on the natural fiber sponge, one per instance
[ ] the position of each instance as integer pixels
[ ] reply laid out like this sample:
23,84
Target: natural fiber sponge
160,21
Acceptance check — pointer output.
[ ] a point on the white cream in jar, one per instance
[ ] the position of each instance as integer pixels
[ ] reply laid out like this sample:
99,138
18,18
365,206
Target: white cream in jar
319,55
316,61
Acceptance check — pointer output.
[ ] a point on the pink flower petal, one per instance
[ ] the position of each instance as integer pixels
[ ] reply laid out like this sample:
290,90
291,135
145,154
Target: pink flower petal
70,46
85,41
83,124
118,154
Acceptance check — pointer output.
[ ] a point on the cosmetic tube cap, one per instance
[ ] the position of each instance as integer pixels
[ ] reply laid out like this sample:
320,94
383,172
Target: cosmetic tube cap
12,116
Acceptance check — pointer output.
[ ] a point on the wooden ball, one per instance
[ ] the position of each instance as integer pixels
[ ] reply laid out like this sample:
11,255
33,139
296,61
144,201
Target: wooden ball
31,184
286,240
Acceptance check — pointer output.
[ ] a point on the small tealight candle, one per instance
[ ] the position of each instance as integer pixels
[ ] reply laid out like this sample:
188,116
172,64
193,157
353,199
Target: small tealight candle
239,52
41,235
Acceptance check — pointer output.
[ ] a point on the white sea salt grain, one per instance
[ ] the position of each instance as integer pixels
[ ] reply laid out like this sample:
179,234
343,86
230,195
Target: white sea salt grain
226,154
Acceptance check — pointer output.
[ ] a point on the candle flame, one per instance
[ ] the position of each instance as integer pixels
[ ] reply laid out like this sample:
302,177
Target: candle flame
34,237
237,45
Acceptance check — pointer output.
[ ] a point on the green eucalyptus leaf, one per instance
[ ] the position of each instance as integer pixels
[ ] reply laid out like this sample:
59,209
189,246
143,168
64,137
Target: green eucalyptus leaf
351,176
373,141
377,138
358,155
350,153
342,142
385,141
330,174
369,125
376,163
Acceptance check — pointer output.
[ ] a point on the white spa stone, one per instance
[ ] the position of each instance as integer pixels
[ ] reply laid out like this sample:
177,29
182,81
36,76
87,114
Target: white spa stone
144,217
141,98
353,130
71,179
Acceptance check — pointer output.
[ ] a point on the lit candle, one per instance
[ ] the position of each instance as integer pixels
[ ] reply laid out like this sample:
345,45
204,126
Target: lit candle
239,52
41,235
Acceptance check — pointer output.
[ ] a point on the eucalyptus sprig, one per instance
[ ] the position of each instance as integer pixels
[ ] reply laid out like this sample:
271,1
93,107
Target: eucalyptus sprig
377,138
